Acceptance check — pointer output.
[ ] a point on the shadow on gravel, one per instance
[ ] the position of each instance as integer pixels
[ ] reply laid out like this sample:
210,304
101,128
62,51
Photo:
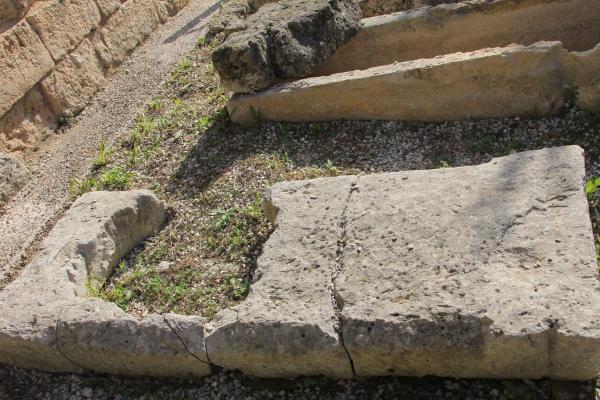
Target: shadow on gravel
383,146
24,384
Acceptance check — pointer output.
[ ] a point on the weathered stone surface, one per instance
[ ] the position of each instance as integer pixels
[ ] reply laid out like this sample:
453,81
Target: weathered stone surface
128,27
286,39
285,327
23,62
84,246
62,24
74,80
499,82
466,26
583,73
27,123
168,8
8,11
13,176
107,7
484,271
101,337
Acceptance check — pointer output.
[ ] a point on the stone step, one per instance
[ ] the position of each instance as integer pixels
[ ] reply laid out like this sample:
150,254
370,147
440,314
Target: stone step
464,27
489,83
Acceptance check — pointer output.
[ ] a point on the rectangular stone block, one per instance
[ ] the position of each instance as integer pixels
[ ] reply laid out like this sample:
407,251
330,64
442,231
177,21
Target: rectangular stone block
489,83
108,7
128,27
466,26
62,24
74,80
287,325
23,62
483,271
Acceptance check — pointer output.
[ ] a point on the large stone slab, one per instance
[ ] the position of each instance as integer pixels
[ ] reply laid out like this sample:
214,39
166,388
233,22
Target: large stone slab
74,80
482,271
498,82
466,26
60,328
62,24
286,326
282,40
24,60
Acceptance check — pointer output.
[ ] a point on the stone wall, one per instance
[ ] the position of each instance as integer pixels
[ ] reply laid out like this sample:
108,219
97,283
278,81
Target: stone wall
55,54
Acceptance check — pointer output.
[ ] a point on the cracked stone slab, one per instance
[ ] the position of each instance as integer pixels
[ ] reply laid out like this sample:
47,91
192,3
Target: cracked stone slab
48,321
287,325
482,271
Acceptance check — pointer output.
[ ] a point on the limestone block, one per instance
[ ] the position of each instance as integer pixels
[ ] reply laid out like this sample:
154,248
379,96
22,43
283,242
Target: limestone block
84,246
490,83
128,27
101,337
62,24
285,328
108,7
27,123
23,62
168,8
483,271
74,80
464,27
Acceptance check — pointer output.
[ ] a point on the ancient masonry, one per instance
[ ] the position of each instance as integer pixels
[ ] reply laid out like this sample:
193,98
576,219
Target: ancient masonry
507,285
404,273
55,54
453,61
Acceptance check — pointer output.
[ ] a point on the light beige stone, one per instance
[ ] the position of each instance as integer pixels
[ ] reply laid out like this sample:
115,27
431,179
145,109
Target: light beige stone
168,8
484,271
23,62
108,7
62,24
285,328
60,328
499,82
583,73
27,123
467,26
128,27
74,80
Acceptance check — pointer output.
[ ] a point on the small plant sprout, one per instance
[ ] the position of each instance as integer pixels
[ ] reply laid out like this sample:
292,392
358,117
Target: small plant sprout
592,186
102,157
116,178
331,168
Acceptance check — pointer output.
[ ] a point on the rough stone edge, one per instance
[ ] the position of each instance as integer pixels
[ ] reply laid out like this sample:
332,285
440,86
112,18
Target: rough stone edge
578,70
106,338
431,20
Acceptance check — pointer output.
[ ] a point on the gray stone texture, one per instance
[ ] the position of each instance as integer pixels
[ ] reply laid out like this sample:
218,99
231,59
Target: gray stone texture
48,321
286,326
13,176
484,271
282,40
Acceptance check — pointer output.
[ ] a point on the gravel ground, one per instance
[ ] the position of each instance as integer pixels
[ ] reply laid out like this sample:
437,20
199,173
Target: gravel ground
70,153
22,384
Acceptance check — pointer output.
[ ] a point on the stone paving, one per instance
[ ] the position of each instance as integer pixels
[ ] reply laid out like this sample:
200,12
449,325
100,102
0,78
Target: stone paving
485,271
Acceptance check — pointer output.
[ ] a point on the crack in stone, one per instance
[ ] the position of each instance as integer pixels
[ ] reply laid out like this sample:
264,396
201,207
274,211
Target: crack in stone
341,247
185,345
58,348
